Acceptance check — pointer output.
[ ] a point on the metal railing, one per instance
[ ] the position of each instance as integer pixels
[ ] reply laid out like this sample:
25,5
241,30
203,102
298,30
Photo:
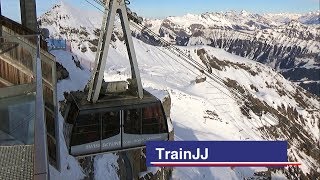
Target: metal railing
13,70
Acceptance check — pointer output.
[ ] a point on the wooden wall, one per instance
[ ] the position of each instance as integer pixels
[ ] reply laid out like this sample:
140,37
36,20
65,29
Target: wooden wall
13,75
17,66
21,30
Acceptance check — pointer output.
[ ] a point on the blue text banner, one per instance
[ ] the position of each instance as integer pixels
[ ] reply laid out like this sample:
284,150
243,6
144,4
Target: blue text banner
218,153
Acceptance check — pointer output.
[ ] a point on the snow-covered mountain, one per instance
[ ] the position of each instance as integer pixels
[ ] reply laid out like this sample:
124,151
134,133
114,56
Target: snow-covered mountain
274,109
281,41
241,21
307,18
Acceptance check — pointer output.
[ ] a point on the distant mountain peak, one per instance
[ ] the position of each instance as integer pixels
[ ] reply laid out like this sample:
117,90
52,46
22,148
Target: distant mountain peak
244,13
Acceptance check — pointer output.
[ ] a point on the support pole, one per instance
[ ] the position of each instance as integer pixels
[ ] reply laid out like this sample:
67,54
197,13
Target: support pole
41,168
0,23
29,14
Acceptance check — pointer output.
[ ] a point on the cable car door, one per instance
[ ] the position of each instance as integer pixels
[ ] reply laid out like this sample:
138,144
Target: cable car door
153,123
110,131
86,135
131,131
146,123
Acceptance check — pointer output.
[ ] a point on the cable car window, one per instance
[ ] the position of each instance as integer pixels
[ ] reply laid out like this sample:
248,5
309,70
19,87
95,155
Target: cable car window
153,121
86,129
72,114
132,121
110,124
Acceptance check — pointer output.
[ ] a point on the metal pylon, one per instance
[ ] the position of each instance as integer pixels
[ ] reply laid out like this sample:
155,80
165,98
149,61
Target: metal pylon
115,6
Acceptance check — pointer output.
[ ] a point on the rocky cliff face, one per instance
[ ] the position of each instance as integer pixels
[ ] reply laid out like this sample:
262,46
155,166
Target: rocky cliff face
291,122
290,45
273,109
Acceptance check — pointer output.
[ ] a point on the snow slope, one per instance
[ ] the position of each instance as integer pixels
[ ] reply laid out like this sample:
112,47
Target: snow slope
204,111
277,40
192,104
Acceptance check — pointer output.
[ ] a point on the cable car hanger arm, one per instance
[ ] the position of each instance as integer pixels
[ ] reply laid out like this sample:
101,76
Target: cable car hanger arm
115,6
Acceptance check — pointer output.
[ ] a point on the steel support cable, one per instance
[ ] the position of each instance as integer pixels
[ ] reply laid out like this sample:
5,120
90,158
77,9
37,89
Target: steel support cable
144,28
266,121
245,132
231,117
214,77
216,87
177,54
171,64
191,70
174,70
242,71
117,15
287,125
164,52
236,124
167,44
166,66
163,65
177,61
99,2
169,55
94,5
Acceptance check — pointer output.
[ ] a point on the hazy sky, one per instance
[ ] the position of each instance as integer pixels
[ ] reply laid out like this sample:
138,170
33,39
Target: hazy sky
163,8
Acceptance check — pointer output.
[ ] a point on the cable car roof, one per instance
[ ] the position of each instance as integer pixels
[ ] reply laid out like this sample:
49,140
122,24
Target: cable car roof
111,101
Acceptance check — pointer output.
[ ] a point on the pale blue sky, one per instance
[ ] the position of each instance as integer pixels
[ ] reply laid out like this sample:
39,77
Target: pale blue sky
163,8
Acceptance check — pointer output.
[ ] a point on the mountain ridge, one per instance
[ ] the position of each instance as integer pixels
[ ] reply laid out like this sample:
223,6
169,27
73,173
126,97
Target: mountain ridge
279,45
281,17
276,109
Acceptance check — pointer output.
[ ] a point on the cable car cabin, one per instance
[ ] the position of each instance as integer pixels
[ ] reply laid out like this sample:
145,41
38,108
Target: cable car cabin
114,123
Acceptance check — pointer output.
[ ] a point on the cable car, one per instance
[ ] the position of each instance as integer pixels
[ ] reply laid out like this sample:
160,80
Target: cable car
114,123
113,116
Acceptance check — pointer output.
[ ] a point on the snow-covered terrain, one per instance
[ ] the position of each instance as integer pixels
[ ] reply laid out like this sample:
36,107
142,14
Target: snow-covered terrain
254,24
278,40
281,41
276,109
